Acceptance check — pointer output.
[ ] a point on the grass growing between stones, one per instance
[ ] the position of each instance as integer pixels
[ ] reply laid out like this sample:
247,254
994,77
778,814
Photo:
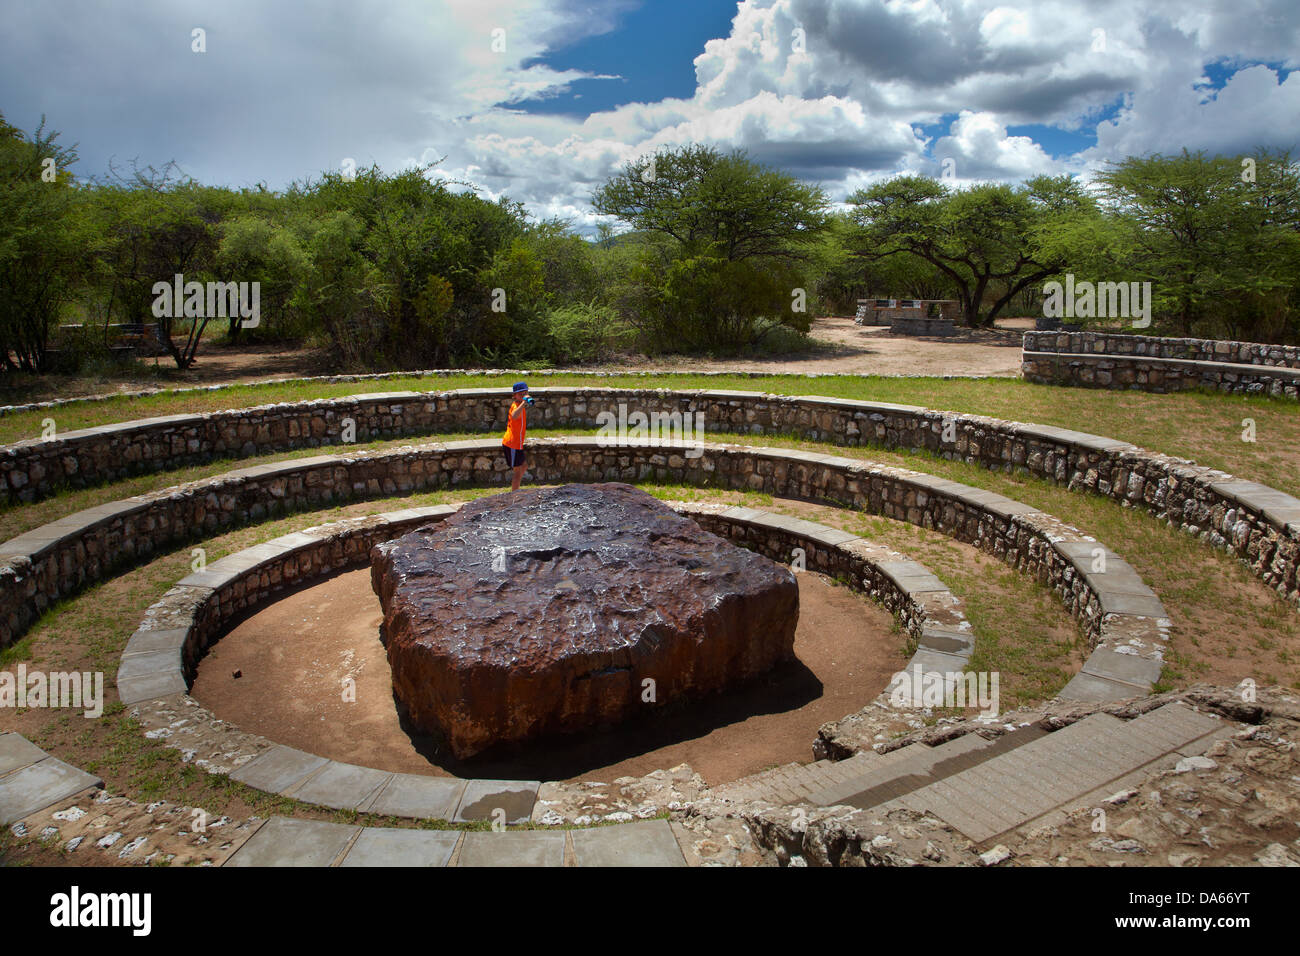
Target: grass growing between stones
15,519
1035,649
1226,624
88,632
1223,616
1204,426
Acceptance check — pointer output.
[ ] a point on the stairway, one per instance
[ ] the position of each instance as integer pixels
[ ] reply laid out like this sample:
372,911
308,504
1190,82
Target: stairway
985,788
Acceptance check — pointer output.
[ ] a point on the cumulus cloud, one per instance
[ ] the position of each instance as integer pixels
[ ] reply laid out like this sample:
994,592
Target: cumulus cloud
978,147
835,91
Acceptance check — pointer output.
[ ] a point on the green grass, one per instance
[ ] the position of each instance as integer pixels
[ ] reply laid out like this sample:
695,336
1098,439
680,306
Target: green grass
1206,591
1172,563
1206,427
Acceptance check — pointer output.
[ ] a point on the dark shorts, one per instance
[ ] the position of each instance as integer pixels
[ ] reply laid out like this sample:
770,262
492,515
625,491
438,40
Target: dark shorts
514,456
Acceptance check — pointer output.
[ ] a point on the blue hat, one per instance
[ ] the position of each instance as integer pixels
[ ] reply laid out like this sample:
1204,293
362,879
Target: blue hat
521,386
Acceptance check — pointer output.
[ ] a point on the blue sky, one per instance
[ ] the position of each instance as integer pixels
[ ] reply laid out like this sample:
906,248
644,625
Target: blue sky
652,51
1005,89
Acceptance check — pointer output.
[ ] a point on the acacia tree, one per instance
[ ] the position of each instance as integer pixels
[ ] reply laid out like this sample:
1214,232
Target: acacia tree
40,243
1217,236
986,240
725,240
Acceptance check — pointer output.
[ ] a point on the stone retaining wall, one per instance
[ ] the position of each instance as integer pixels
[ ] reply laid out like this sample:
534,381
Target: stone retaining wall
1151,346
162,656
160,660
1258,524
1109,600
900,324
1147,363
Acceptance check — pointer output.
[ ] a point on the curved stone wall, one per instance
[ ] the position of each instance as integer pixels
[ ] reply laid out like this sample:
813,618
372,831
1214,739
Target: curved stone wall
1114,607
160,660
1257,523
1147,363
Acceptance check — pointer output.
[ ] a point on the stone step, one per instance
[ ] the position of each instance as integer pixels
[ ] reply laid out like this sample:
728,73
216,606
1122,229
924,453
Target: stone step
30,779
794,781
287,841
1012,789
917,766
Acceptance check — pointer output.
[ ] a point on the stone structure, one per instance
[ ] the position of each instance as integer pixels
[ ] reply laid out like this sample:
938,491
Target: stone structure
1120,615
546,611
160,659
910,316
1151,364
1258,524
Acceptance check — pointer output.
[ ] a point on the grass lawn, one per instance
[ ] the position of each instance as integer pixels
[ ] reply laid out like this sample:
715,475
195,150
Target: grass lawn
1204,427
1226,624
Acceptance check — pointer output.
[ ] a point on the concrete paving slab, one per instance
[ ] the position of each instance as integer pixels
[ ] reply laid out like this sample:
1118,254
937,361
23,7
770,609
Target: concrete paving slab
1119,581
1088,687
384,846
48,781
149,662
16,752
947,641
132,690
284,841
278,769
343,786
1128,668
422,798
482,798
146,641
645,843
1139,605
833,537
513,848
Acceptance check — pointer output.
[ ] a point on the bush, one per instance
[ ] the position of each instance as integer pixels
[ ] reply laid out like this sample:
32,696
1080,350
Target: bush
584,333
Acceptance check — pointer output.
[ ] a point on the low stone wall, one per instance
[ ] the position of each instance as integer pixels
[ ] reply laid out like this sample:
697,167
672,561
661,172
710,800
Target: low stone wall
1147,363
1113,606
900,324
1258,524
162,656
1151,346
160,660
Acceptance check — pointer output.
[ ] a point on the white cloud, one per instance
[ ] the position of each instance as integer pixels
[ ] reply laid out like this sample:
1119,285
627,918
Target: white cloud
282,94
981,149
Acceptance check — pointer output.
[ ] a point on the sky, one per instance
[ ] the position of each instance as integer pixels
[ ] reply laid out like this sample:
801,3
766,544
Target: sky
544,100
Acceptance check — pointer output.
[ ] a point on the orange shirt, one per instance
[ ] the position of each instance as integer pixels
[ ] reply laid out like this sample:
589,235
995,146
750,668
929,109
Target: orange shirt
515,427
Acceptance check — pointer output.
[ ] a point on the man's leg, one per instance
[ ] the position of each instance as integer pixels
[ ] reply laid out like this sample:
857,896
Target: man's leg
519,476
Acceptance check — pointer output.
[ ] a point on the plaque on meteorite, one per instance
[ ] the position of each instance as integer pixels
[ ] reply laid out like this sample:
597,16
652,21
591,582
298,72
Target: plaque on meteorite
553,610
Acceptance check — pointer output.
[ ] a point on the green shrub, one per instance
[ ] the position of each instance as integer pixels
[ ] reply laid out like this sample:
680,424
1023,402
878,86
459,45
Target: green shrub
584,333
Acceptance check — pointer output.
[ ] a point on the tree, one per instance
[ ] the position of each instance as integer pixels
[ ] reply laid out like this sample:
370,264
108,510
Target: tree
725,243
253,249
1217,236
150,227
41,244
985,240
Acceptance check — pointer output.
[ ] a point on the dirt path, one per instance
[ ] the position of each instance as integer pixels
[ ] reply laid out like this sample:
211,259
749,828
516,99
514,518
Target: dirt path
838,345
842,346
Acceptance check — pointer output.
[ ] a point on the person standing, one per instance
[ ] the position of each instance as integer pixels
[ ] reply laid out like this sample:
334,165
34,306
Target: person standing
512,442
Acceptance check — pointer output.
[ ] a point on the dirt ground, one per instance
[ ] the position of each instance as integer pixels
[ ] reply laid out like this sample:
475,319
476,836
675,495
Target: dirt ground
294,655
838,345
841,346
